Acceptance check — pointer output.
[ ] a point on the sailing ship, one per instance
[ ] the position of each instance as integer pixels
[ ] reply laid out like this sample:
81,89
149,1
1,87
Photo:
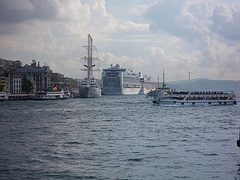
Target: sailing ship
89,87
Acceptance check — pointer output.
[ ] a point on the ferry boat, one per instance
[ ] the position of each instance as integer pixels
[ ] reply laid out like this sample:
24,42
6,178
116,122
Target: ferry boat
89,87
166,96
118,81
3,96
50,95
194,97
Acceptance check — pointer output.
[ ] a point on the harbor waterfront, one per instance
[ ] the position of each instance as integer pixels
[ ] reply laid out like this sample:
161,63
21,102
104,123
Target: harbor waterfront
117,137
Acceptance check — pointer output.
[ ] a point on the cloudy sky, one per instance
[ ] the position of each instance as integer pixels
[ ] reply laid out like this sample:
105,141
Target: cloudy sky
179,36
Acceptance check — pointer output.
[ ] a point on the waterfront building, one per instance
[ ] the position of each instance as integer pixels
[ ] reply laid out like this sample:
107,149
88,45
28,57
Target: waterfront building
57,80
2,82
60,82
13,82
40,76
10,65
70,84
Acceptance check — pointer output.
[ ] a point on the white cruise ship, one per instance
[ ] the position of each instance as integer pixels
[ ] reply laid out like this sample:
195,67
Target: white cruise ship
119,81
89,87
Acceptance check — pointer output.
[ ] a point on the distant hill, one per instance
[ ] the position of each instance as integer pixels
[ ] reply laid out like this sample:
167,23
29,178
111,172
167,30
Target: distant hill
205,84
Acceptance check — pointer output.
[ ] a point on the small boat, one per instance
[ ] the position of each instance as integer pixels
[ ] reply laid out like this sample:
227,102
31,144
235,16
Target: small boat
3,96
67,94
50,95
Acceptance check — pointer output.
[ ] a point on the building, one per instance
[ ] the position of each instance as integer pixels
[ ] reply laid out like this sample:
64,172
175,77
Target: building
13,82
60,82
71,85
10,65
2,82
57,81
39,76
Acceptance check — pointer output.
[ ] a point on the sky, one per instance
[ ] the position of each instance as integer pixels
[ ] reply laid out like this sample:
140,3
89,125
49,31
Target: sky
179,36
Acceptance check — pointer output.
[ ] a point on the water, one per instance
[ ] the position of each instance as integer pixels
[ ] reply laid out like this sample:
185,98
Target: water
117,137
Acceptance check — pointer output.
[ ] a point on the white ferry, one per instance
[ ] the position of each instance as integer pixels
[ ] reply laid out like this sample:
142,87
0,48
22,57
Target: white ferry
3,96
118,81
193,97
166,96
50,95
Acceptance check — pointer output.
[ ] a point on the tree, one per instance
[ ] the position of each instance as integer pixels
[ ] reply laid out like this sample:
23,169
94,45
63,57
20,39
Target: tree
1,87
26,85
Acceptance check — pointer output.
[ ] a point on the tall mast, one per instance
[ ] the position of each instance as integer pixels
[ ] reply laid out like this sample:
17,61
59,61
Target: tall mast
163,79
189,79
89,57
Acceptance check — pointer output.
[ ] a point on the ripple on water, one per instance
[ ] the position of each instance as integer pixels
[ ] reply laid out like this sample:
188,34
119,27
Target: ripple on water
122,137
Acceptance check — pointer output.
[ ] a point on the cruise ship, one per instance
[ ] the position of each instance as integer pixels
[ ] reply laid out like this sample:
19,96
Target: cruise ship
89,87
118,81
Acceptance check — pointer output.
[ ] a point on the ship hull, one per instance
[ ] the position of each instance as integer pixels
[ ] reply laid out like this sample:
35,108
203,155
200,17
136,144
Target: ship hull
89,92
195,103
125,91
192,98
50,96
130,91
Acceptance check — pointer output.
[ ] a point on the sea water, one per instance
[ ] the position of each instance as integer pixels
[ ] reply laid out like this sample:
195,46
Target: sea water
117,137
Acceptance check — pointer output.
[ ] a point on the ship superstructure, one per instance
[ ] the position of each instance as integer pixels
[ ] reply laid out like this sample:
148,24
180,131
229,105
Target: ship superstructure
118,81
89,87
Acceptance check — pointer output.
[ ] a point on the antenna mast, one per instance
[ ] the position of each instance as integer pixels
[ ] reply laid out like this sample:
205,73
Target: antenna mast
89,66
189,79
89,57
163,79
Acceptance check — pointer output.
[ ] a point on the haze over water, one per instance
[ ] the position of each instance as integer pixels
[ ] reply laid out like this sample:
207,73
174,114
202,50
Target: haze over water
117,137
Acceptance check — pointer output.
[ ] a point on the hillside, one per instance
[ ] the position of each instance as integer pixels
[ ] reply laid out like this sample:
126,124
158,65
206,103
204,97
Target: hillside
205,84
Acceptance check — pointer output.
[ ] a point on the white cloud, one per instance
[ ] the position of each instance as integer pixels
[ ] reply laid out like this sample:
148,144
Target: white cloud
178,35
226,21
129,26
124,61
20,5
176,65
141,9
195,18
181,18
